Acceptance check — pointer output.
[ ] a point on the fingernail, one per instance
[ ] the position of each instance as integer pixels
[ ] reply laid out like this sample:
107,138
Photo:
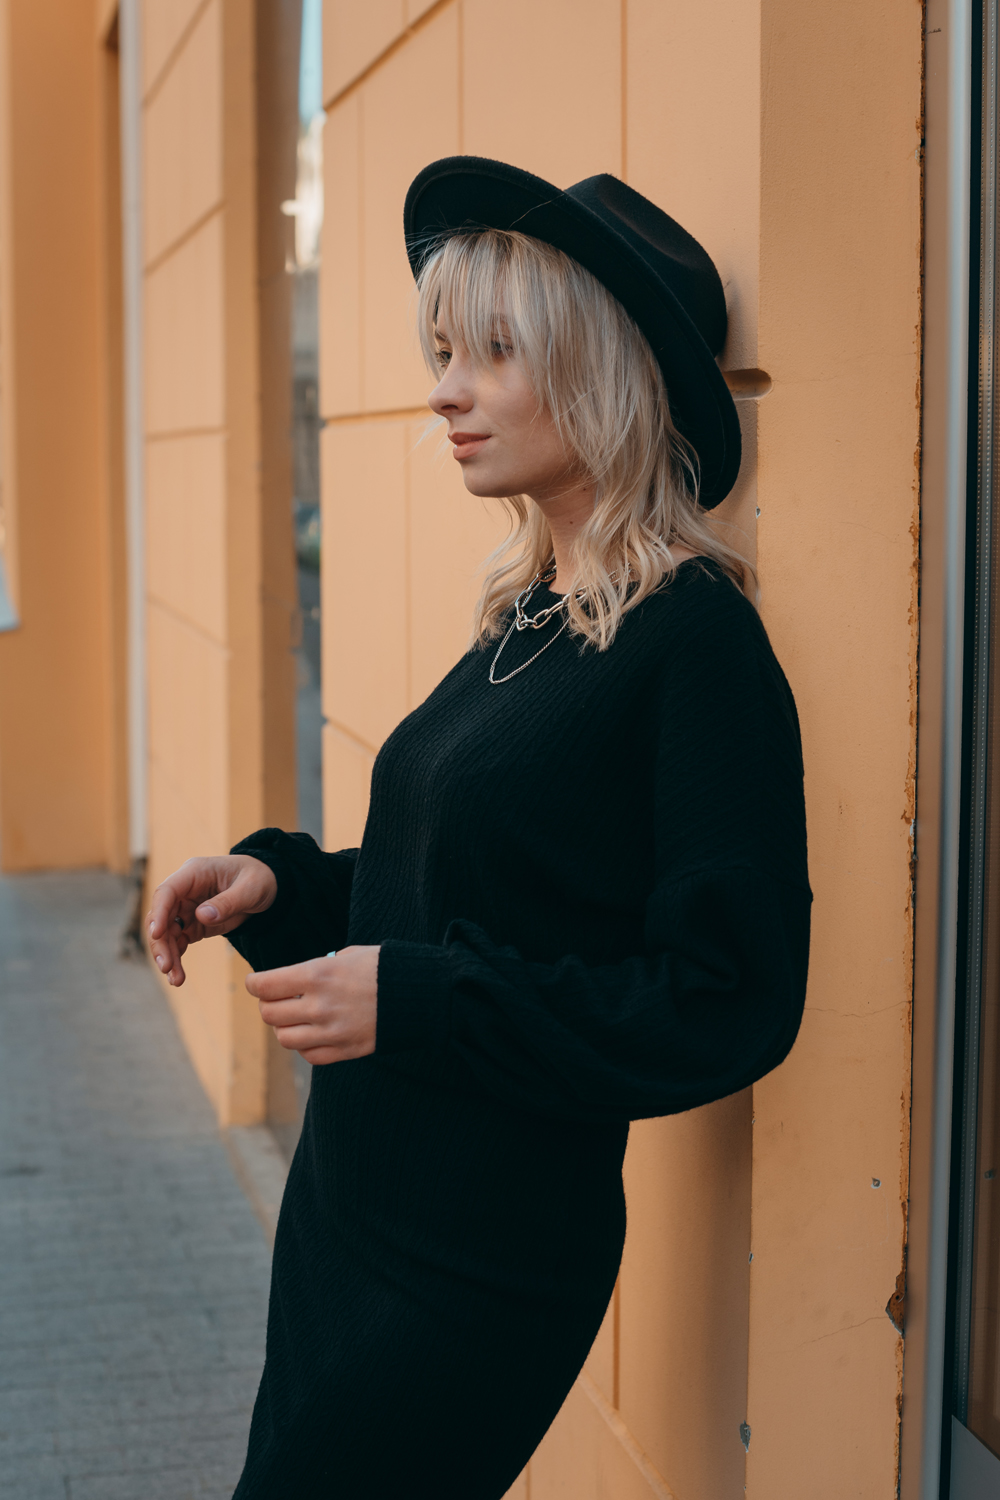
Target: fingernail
159,960
152,928
208,913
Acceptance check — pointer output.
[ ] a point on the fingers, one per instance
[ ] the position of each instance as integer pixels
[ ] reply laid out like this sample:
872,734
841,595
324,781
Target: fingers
246,886
287,983
163,907
224,888
324,1008
167,954
169,939
298,1010
229,901
320,1056
301,1038
316,1046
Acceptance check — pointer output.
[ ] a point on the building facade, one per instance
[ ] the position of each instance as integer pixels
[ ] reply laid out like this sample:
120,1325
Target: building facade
755,1343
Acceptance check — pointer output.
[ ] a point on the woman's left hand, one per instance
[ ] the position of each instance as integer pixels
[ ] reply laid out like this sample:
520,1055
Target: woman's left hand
324,1008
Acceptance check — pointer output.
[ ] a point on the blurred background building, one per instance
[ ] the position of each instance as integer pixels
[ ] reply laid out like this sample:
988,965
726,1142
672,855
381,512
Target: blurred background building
209,386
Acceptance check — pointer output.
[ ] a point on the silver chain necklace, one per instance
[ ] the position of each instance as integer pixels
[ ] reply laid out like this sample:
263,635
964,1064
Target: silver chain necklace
522,621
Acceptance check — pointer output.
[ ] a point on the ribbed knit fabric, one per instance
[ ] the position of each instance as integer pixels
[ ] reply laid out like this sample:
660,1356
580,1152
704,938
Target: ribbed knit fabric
589,885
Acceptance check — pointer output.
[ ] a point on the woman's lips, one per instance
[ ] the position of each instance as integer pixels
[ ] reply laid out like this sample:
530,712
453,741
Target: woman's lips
467,443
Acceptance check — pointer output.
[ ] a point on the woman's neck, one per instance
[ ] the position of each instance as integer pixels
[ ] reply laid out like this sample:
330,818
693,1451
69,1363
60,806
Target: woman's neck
566,514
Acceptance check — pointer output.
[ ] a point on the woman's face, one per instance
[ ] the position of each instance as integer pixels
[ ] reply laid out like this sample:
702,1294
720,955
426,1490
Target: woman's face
505,445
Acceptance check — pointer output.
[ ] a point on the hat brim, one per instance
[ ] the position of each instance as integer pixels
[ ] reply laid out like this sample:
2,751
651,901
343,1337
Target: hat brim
461,193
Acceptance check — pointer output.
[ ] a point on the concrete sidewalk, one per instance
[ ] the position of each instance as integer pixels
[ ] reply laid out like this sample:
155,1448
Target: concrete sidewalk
134,1270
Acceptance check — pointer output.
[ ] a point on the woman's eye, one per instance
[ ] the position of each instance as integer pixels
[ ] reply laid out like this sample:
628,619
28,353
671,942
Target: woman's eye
501,351
443,356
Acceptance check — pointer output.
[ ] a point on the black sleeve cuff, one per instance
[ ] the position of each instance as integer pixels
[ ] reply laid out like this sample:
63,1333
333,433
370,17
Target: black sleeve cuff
414,997
309,914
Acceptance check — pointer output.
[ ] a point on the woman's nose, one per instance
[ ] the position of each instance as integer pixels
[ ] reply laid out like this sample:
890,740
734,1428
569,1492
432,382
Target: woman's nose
450,394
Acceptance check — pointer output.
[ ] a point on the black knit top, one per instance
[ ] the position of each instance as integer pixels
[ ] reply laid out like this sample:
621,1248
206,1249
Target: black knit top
588,882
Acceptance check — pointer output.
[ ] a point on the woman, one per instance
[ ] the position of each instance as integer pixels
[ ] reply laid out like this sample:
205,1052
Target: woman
581,896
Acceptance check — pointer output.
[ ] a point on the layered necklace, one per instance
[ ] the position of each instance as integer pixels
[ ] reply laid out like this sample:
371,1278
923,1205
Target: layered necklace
522,621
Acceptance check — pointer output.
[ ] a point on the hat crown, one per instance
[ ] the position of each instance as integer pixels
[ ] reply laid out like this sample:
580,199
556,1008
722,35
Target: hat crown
668,249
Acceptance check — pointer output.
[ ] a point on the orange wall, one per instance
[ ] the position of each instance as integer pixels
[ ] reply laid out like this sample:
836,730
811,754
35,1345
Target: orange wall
216,771
59,726
221,597
839,333
785,138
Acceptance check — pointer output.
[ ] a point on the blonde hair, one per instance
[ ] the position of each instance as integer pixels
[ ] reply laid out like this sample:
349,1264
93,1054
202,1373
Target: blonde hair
590,366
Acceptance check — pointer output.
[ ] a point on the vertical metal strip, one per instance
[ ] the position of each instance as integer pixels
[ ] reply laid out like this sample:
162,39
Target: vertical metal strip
979,788
130,109
955,196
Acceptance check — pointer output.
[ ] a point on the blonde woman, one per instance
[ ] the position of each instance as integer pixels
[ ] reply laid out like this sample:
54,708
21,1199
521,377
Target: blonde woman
581,897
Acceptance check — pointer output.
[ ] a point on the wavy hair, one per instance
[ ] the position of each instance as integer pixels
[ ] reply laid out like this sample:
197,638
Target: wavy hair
590,366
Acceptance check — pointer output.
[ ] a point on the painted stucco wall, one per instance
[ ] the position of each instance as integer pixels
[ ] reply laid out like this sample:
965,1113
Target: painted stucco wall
839,333
787,139
61,723
220,574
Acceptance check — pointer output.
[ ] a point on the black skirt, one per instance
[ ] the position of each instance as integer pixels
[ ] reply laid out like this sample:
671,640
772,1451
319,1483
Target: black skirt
441,1268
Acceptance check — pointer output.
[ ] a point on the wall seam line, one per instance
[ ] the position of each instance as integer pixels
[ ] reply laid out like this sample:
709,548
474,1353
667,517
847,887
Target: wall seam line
180,618
657,1484
167,435
168,62
390,414
395,45
189,233
350,734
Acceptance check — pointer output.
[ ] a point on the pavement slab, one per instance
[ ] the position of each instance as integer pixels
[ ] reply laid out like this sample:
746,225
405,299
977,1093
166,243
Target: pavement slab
133,1297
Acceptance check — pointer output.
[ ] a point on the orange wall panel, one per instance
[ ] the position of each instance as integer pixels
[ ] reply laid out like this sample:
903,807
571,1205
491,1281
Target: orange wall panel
839,333
682,1350
341,296
164,23
208,690
182,139
602,1361
694,147
416,8
354,35
588,1454
347,777
185,334
541,85
55,711
419,83
185,529
365,577
188,671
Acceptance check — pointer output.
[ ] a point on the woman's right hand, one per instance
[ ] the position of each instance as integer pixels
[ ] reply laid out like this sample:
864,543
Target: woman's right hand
205,898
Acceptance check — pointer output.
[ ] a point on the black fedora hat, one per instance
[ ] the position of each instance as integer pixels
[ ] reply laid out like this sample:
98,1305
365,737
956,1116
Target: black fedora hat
660,274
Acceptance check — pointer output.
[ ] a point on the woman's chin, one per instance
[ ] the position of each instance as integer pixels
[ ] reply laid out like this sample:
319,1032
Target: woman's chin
485,486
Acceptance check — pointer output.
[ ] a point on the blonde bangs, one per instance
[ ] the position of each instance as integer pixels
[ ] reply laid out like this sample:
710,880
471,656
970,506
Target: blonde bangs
591,367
